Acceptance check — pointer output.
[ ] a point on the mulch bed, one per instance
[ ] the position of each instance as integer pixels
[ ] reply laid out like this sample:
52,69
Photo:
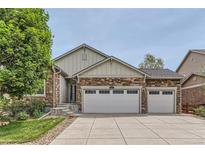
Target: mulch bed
53,133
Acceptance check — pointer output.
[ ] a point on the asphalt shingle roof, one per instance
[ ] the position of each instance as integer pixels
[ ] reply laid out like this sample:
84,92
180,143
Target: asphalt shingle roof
202,51
162,73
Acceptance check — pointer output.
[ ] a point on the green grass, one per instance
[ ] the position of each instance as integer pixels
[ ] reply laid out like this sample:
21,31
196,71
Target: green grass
25,131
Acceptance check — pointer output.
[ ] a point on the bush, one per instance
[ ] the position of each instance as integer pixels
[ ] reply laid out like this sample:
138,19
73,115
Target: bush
36,107
37,114
22,116
3,102
17,106
33,108
200,111
4,118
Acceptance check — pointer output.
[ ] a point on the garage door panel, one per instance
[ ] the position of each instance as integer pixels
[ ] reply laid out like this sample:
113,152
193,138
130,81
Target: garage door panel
161,101
111,103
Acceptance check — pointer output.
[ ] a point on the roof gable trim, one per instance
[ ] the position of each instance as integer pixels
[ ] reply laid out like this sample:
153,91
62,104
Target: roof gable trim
190,75
77,48
189,52
111,58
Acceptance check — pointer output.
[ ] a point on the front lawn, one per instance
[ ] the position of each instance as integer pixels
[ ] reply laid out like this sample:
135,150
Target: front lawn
25,131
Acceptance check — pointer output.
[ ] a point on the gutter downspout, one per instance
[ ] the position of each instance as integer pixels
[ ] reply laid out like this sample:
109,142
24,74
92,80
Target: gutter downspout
54,86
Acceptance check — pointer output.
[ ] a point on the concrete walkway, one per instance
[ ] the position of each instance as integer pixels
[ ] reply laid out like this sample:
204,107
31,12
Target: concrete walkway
133,129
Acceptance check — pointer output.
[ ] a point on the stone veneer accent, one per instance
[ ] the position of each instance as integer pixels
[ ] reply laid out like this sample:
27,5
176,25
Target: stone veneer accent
192,98
130,82
49,91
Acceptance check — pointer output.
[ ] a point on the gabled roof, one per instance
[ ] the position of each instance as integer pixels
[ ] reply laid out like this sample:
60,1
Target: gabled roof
63,73
191,74
162,74
199,51
107,59
80,46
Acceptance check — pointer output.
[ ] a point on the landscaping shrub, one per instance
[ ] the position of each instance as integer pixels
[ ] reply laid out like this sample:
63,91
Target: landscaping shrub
4,117
36,107
200,111
22,116
17,106
37,114
3,102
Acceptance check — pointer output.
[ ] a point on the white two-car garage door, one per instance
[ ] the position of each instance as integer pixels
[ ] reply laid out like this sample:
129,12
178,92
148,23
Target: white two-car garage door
161,101
105,100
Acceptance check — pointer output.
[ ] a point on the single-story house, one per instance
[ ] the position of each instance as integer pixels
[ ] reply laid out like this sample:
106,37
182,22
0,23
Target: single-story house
192,68
99,83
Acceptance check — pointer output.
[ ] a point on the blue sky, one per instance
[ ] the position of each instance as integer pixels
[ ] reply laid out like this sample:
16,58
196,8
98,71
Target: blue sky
129,34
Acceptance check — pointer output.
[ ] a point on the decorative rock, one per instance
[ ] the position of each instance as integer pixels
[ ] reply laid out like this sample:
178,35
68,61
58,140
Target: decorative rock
4,123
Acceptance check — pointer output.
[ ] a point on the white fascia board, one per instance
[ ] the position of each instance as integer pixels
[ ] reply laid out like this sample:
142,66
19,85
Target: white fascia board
161,88
194,86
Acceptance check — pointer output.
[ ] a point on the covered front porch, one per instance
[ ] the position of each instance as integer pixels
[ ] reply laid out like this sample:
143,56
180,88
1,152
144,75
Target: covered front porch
67,91
67,97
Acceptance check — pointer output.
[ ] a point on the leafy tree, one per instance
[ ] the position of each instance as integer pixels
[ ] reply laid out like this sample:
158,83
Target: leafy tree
25,50
151,62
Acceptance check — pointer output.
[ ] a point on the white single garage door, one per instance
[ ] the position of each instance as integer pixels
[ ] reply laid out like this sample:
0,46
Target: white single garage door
111,101
161,101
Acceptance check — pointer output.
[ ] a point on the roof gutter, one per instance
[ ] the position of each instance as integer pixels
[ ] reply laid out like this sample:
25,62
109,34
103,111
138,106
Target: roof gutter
167,78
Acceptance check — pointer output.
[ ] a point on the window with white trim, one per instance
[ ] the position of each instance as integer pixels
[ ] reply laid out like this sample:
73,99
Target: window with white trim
90,91
132,91
154,92
118,91
104,91
41,91
167,92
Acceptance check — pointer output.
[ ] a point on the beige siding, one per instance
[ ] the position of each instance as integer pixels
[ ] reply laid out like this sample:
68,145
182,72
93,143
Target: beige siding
63,90
194,63
73,62
194,80
111,69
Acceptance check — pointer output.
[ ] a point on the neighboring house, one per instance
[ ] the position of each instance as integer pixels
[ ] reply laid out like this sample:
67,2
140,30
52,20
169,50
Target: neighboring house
193,85
99,83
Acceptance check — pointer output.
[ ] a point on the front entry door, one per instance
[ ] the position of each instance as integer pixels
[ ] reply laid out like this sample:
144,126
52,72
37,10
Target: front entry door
72,93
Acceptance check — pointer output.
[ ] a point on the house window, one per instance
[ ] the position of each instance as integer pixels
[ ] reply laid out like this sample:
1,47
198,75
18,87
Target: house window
167,93
104,91
132,91
42,90
90,91
153,92
118,91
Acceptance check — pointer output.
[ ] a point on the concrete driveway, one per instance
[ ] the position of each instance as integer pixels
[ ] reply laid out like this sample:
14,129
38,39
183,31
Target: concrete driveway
125,129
